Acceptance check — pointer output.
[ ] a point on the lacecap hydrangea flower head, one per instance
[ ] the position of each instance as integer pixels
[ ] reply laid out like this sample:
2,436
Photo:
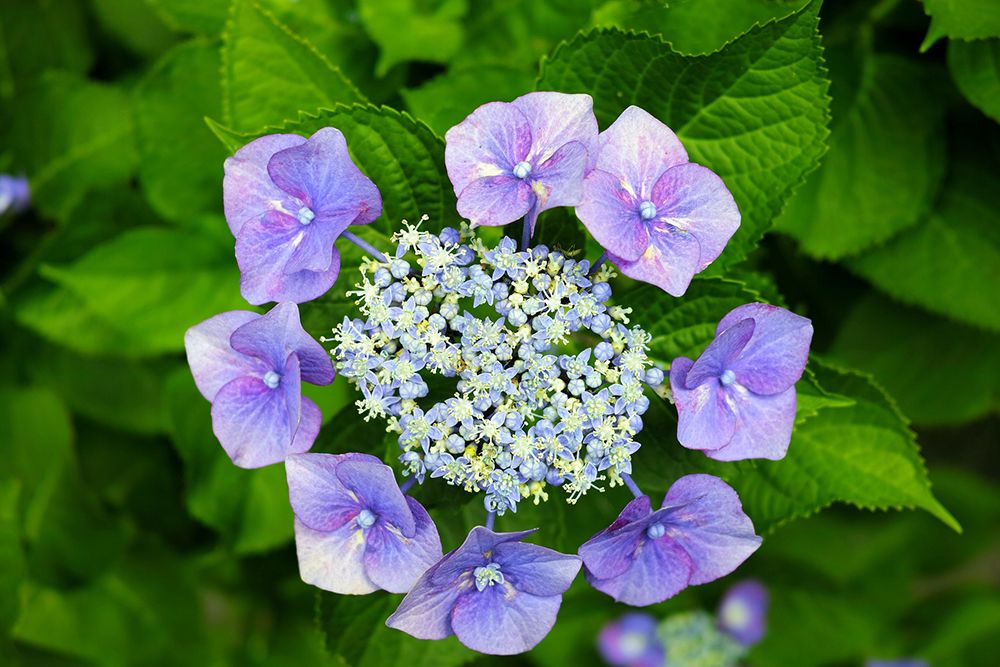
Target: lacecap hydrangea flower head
503,369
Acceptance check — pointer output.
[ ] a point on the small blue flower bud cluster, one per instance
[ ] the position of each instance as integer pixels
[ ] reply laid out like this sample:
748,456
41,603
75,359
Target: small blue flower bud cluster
526,413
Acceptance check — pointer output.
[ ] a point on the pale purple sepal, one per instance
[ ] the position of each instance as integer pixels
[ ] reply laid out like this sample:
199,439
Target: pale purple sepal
511,160
15,194
250,368
699,534
287,199
742,613
355,531
737,401
631,641
495,593
661,218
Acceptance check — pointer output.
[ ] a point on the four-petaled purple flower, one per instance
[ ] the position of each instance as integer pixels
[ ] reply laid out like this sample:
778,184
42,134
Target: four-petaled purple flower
631,641
737,401
699,534
287,199
497,594
15,193
355,531
661,218
743,612
511,160
250,368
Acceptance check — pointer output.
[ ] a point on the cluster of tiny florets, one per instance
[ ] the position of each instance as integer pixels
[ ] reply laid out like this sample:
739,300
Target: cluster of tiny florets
528,411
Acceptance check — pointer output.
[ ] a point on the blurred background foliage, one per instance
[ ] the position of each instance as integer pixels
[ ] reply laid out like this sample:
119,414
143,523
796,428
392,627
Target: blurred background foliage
128,538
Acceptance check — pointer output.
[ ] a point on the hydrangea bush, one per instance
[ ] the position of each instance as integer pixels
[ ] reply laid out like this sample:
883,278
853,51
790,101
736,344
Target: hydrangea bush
501,320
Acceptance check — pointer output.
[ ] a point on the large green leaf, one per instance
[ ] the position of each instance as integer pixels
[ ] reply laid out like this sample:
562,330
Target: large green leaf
181,166
413,30
249,508
153,283
269,73
961,380
755,112
694,26
401,155
950,263
886,159
961,19
863,454
71,136
975,67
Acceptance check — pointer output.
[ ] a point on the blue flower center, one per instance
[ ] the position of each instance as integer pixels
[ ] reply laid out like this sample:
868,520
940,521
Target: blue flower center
366,518
727,378
272,380
305,215
656,531
488,575
522,169
647,210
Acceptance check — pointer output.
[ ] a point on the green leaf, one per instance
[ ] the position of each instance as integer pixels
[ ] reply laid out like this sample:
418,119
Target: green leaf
249,508
58,512
121,393
413,29
12,564
181,167
357,636
135,25
70,136
447,99
197,16
961,19
24,57
975,67
694,26
950,262
269,73
153,283
401,155
886,160
755,112
889,341
863,454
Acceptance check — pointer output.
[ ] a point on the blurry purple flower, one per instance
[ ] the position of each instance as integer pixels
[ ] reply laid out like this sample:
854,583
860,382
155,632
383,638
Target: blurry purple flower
631,641
661,218
699,534
355,531
743,612
737,401
250,368
15,194
497,594
511,160
287,199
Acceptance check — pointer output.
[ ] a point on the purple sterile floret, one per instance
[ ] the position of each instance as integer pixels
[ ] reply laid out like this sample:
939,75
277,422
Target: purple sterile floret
660,218
497,594
737,401
355,531
250,367
700,533
15,193
743,612
286,200
631,641
511,160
